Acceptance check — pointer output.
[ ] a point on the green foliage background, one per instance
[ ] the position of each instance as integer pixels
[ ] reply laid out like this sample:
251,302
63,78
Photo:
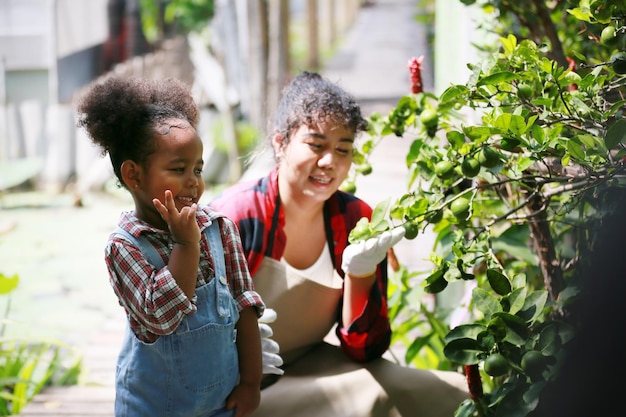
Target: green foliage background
547,104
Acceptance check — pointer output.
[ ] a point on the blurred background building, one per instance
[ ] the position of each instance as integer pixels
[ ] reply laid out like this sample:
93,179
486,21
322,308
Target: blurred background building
236,55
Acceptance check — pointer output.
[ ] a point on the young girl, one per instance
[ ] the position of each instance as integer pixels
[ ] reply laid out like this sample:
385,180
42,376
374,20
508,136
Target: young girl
178,269
294,224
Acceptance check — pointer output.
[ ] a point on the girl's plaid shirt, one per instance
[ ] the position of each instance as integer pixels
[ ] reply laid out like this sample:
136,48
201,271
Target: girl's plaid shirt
154,303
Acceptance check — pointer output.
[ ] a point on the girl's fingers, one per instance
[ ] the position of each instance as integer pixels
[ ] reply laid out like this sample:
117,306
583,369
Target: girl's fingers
191,213
169,201
163,211
167,208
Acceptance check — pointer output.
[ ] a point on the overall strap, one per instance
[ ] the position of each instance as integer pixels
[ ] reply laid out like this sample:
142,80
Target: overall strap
155,259
223,299
212,233
151,253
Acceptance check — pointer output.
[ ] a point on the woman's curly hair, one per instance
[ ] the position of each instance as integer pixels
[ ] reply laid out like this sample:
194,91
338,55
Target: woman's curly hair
311,99
124,115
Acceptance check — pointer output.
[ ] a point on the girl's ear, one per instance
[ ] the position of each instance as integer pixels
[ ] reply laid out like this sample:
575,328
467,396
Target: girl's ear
130,174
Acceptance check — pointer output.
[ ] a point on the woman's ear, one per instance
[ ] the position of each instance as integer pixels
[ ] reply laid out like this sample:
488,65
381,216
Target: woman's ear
130,174
277,145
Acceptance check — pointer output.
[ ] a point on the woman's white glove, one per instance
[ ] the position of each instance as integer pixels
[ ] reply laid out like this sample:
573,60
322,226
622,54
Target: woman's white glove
270,357
360,259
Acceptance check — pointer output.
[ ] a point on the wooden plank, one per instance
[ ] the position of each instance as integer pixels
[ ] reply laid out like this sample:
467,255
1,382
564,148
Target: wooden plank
83,401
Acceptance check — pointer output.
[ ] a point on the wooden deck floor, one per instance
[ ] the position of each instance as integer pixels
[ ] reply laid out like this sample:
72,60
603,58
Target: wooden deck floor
78,401
95,398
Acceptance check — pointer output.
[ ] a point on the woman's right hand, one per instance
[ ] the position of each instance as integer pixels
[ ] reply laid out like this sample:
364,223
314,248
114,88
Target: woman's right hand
360,259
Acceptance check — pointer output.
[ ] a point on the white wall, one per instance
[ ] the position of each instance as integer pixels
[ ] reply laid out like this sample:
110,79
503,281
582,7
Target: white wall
81,24
27,40
455,31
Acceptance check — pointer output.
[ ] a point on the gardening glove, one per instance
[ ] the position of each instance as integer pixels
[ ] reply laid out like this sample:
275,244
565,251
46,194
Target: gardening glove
360,259
270,357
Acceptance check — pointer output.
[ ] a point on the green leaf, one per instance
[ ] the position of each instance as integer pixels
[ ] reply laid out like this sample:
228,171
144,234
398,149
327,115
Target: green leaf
509,43
497,78
466,409
517,332
360,231
435,283
417,207
517,299
533,305
499,283
524,162
465,351
464,331
615,107
549,342
514,242
8,284
509,143
478,133
455,138
380,211
580,14
414,151
575,149
451,96
616,134
512,123
485,302
416,347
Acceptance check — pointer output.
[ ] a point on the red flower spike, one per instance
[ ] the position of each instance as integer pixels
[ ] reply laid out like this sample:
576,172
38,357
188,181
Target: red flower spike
571,64
415,69
474,383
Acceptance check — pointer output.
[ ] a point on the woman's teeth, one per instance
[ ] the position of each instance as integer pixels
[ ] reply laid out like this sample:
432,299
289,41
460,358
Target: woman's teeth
322,180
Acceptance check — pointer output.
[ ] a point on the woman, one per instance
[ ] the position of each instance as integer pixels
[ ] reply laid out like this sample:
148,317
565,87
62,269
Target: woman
294,224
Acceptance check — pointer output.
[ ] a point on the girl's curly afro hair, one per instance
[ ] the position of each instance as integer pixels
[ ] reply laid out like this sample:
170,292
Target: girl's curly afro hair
122,115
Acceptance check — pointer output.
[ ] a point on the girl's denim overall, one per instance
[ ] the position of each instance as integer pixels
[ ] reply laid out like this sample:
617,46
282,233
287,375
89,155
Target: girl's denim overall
191,372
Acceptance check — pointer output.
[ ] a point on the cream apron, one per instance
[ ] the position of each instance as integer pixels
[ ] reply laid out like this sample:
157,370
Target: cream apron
320,380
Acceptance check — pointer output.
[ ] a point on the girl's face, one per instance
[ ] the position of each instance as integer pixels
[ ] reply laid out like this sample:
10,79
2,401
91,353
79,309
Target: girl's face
315,161
176,166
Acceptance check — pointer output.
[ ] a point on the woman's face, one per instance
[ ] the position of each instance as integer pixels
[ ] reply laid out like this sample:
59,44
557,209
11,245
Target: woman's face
176,166
315,161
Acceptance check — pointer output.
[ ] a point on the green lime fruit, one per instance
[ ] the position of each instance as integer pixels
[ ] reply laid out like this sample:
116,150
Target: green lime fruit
429,117
410,230
533,363
488,157
496,364
608,37
434,216
470,167
524,91
618,62
348,187
365,168
444,169
460,207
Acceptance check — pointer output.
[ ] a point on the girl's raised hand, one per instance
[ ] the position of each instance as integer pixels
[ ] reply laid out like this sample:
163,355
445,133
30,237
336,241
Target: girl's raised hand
182,224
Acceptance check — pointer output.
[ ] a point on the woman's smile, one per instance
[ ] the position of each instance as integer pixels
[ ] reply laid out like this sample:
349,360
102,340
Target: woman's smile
321,179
